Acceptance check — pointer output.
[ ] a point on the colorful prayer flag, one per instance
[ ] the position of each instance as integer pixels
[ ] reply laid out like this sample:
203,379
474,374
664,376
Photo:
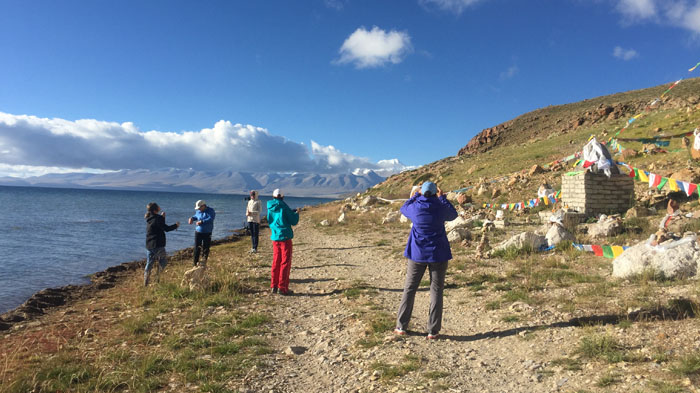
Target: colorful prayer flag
692,188
607,252
617,250
663,182
654,180
672,185
597,250
643,176
693,69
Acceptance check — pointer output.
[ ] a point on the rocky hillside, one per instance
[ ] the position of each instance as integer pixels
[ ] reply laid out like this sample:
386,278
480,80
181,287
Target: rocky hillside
503,155
563,119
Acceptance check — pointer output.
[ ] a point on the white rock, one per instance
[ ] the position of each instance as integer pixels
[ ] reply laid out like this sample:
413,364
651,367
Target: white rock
342,218
605,227
458,234
196,278
525,239
459,222
369,201
403,219
325,223
673,259
557,234
391,217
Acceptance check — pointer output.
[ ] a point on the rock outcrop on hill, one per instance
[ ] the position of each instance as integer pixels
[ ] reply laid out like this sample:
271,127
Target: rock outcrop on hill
564,118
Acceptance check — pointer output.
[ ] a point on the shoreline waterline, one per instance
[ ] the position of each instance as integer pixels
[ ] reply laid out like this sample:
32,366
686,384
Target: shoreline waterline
60,237
47,299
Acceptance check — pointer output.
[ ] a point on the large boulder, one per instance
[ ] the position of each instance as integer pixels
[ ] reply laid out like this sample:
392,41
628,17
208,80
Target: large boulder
637,211
196,278
557,234
369,200
691,175
529,240
463,198
483,189
535,169
605,227
391,217
459,234
673,259
459,222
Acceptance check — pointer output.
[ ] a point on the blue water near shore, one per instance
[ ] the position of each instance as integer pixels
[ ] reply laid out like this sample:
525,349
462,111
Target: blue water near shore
54,237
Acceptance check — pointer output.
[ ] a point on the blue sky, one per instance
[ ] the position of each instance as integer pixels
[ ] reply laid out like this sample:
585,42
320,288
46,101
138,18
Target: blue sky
411,79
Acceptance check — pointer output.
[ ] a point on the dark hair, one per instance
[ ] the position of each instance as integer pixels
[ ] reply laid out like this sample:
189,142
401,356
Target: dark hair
151,208
428,194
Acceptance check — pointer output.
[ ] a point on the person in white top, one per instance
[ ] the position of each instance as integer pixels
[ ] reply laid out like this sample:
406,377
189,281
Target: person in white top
252,213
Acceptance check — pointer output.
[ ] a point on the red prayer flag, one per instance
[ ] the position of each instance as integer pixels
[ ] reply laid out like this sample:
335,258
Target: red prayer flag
597,250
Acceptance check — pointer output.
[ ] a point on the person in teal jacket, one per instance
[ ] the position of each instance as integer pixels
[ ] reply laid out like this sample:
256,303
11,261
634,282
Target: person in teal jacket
281,217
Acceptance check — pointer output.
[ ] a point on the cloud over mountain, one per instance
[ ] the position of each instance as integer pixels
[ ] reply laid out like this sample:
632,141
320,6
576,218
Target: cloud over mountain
30,142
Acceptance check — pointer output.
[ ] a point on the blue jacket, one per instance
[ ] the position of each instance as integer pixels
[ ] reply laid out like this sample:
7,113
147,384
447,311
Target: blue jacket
207,219
281,218
427,241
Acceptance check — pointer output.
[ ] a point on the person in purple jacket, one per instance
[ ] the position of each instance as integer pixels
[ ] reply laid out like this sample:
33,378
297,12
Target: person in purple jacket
427,248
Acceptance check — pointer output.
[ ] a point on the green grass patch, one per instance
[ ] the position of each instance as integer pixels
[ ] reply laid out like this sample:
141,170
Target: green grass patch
390,371
687,365
602,347
435,374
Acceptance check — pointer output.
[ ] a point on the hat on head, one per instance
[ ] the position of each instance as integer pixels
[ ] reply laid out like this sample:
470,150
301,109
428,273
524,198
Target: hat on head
428,186
199,204
253,192
276,193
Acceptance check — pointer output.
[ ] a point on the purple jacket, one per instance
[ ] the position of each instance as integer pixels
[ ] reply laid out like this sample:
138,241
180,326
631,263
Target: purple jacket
427,241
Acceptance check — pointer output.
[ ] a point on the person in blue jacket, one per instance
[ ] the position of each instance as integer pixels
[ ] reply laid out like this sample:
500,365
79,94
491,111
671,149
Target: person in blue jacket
204,219
281,217
427,248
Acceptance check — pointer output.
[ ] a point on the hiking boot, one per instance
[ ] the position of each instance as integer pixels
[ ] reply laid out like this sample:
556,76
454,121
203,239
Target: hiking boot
399,332
273,290
433,336
286,293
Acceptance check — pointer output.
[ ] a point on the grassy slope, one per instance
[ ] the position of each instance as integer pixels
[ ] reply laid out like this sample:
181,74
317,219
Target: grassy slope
525,149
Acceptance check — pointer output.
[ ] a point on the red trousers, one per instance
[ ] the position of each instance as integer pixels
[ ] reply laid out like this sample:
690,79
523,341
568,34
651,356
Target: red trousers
281,264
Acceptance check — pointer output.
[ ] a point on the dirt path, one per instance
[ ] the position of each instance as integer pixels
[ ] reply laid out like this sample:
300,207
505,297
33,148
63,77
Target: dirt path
322,329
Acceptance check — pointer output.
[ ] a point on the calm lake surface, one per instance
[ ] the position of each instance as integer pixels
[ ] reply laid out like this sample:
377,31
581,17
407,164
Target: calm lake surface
54,237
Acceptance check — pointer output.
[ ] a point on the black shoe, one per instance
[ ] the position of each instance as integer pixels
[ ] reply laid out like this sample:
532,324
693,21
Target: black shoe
286,293
273,290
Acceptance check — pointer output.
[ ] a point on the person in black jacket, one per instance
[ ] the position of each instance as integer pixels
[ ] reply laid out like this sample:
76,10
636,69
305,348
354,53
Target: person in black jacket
155,239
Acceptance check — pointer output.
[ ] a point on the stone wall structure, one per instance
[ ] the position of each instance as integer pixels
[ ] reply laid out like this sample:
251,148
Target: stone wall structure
593,194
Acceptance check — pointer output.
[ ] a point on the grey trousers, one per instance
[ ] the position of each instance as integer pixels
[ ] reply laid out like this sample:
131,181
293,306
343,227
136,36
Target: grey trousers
414,274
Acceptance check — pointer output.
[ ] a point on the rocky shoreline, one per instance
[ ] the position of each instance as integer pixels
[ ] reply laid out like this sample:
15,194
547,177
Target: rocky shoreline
47,299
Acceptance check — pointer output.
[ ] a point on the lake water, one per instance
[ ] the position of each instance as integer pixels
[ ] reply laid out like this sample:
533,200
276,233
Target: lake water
54,237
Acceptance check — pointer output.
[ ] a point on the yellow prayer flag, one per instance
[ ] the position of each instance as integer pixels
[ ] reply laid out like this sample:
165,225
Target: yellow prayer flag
617,250
672,184
643,176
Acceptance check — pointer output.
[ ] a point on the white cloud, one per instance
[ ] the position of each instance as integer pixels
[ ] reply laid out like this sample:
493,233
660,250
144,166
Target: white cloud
637,9
679,13
624,54
456,6
33,146
374,48
335,4
509,73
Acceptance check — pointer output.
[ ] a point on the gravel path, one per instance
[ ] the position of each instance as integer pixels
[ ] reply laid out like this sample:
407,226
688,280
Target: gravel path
319,332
